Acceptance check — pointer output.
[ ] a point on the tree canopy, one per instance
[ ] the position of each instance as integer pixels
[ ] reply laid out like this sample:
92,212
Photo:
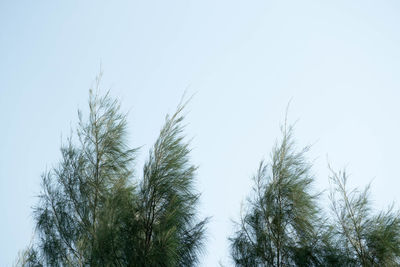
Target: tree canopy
94,211
283,225
280,224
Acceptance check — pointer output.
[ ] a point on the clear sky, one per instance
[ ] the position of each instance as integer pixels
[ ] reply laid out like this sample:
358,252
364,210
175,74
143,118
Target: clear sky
339,62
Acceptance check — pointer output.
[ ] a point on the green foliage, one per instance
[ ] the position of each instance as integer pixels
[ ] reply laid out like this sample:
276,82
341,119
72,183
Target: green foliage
166,200
283,226
91,211
94,211
280,227
366,239
27,257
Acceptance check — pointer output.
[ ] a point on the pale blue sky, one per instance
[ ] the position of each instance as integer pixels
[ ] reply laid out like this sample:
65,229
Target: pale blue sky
339,62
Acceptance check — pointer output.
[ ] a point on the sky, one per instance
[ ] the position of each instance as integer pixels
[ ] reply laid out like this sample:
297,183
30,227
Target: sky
337,62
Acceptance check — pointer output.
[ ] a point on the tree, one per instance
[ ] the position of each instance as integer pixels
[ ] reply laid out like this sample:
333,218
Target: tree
91,211
364,238
280,226
166,201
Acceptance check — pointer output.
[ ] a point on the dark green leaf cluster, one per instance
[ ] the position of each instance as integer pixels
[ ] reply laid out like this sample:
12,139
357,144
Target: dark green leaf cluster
283,225
364,238
166,201
93,211
280,227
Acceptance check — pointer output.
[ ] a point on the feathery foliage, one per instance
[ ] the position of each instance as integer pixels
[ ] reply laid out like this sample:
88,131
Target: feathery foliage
170,233
280,225
283,226
92,212
76,193
364,238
